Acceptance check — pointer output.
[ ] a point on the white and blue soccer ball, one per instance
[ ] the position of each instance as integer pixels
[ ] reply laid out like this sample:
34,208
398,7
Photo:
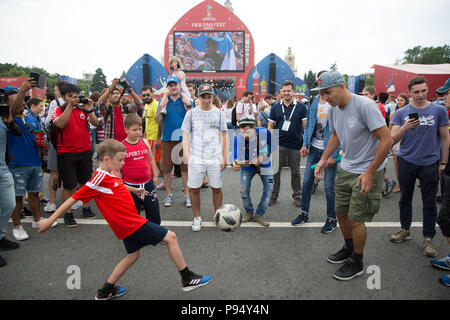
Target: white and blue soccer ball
228,218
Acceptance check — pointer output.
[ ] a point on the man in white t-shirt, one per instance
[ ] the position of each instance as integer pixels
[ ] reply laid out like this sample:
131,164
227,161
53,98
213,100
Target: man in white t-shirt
204,147
244,107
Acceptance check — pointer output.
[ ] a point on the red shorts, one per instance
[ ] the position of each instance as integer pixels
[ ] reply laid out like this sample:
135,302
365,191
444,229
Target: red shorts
156,152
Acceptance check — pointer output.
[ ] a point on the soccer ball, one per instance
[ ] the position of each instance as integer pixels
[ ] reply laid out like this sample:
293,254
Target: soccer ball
228,218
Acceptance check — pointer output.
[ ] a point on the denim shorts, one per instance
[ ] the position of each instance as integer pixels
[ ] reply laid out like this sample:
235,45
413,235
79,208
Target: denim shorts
149,233
26,179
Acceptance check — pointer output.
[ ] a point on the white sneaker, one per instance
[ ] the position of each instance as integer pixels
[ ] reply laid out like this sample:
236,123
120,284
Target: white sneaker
168,201
35,225
19,234
187,201
77,205
50,207
197,224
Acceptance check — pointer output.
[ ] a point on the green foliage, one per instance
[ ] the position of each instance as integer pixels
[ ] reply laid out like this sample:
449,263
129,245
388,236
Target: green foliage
427,55
310,79
99,81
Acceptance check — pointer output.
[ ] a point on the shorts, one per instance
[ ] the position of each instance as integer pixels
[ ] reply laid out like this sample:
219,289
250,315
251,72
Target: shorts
74,168
172,152
52,162
348,197
156,152
197,171
149,233
26,179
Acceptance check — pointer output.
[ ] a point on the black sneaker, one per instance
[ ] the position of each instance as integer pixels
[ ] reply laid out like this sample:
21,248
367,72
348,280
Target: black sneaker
88,214
351,269
2,261
69,220
196,281
6,244
105,294
340,256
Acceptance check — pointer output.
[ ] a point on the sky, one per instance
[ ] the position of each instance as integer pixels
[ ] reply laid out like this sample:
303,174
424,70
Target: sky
72,37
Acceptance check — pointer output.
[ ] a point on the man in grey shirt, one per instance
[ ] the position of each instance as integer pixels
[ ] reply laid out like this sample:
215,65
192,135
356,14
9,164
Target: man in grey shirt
358,126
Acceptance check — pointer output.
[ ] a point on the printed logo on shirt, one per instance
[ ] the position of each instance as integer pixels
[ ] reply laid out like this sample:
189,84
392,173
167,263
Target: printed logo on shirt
82,116
352,122
425,120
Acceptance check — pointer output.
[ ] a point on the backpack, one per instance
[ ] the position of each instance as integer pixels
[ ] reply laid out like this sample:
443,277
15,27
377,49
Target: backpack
54,130
233,117
265,117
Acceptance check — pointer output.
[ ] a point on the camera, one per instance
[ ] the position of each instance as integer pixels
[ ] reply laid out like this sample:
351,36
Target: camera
83,99
123,82
4,108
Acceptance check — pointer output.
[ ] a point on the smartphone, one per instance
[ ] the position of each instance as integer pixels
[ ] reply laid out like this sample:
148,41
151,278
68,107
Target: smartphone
35,77
414,115
39,78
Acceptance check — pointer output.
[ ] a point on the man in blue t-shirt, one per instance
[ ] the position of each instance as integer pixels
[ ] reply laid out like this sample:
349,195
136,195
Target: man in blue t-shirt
252,149
170,115
423,129
289,117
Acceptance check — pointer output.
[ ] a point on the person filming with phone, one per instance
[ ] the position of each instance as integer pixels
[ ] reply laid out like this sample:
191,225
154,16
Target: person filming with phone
422,127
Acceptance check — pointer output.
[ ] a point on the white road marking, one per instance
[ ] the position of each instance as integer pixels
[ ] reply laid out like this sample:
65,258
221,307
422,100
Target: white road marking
209,224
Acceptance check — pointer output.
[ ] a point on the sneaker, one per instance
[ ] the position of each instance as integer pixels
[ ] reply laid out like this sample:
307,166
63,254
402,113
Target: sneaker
196,281
340,256
88,214
19,233
103,294
6,244
390,185
329,226
2,261
400,236
168,201
197,224
272,201
161,186
260,219
351,269
443,263
35,225
445,280
26,212
69,220
77,205
187,201
301,218
44,201
50,207
428,248
248,217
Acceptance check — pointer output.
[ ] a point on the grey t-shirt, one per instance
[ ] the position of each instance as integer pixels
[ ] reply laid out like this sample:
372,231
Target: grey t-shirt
353,126
205,128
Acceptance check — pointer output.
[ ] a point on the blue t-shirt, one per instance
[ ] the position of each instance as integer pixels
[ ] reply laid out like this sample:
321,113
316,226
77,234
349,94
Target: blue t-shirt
252,149
293,138
422,145
173,120
23,149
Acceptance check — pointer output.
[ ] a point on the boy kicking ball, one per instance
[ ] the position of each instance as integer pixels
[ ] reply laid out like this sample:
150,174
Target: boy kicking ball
114,201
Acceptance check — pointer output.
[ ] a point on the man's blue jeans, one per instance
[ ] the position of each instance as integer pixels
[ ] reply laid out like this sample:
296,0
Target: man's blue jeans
7,200
329,181
246,182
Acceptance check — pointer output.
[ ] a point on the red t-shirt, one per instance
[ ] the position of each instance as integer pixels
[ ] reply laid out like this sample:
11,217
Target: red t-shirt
76,137
382,109
114,202
119,128
136,168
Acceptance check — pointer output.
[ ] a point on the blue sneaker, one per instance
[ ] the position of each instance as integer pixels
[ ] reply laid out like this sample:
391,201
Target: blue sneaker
329,226
445,280
301,218
443,263
196,281
104,294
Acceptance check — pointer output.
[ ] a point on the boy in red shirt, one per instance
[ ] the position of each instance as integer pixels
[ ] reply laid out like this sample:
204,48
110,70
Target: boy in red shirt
139,166
114,201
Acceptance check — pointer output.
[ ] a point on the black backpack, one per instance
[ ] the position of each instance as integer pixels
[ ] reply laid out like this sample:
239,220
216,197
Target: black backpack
53,130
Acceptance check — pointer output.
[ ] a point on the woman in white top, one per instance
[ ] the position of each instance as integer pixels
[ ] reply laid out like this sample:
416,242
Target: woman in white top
227,111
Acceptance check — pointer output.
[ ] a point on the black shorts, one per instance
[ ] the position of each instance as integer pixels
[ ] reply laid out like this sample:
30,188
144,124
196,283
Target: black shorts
74,168
149,233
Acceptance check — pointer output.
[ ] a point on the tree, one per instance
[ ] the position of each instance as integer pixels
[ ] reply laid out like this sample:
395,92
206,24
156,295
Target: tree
427,55
98,81
310,79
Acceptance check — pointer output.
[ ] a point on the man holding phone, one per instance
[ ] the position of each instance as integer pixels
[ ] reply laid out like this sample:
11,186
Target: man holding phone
423,128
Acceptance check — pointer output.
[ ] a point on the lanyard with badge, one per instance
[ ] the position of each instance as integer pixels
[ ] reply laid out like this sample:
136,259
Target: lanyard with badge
287,123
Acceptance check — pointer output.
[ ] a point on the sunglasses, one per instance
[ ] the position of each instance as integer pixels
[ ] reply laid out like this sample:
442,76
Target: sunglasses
251,126
146,95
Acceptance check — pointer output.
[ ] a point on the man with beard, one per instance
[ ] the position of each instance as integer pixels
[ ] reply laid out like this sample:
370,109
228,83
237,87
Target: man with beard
113,113
152,130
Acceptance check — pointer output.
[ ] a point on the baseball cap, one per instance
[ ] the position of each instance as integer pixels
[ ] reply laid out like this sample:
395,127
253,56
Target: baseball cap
10,90
173,79
445,87
205,88
246,121
329,79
